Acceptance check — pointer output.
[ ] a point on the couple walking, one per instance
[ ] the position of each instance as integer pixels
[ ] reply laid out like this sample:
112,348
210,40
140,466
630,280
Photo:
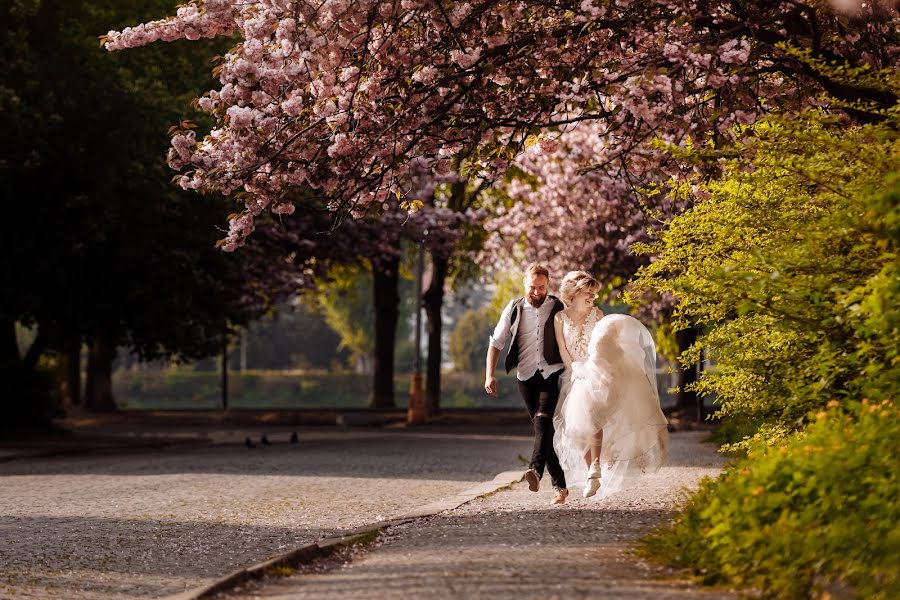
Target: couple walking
589,382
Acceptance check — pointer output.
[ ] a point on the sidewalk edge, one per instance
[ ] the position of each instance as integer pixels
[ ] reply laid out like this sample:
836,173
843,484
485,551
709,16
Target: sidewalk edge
323,548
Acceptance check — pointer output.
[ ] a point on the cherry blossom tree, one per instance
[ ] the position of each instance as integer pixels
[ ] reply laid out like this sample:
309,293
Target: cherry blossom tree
339,96
569,214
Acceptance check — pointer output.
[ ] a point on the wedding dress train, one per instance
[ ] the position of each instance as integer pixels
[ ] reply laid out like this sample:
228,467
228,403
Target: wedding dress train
611,387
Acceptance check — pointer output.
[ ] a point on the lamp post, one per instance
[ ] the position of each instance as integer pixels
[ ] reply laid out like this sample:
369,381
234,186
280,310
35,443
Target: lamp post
416,414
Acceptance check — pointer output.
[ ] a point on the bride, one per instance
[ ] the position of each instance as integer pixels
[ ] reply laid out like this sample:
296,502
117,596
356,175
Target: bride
608,423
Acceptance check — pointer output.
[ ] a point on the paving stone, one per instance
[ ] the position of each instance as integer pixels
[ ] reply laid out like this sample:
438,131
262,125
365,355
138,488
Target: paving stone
154,523
514,545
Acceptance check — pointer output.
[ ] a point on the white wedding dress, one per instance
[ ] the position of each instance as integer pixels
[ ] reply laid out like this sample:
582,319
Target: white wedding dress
611,387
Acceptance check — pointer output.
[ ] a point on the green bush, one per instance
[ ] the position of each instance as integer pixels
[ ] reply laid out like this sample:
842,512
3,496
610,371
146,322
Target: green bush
790,261
818,514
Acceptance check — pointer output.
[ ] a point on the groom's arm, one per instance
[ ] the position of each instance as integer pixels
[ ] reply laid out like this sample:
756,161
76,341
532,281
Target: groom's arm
495,346
490,382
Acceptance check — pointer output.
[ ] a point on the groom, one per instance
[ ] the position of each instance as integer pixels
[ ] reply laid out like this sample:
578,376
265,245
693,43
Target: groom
535,354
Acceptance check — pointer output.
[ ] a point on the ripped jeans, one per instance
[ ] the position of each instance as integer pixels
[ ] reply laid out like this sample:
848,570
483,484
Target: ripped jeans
541,396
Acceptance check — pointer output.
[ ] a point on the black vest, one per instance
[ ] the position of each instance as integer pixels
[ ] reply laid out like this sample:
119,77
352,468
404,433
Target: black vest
551,350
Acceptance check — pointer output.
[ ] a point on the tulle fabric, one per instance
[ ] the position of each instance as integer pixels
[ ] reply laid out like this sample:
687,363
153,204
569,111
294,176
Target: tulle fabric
613,390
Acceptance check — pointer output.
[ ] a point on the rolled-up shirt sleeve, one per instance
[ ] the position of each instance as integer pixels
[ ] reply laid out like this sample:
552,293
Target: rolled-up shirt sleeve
501,331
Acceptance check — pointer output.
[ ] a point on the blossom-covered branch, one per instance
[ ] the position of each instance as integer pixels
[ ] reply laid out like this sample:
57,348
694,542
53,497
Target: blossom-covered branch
339,96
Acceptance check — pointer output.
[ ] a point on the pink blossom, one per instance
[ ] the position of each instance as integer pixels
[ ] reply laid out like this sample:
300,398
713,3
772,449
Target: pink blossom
465,59
734,52
425,75
240,116
342,96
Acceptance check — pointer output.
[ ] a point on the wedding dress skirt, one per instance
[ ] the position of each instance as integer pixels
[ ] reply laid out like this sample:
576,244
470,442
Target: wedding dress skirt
613,390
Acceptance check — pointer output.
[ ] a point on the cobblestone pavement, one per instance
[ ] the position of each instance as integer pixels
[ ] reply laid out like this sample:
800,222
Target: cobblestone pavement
154,523
514,545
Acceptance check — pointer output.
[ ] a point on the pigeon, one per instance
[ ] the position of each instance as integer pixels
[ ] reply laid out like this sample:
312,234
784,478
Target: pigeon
265,440
294,438
249,443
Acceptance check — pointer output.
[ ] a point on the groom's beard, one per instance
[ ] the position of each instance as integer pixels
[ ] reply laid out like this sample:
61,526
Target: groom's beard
536,301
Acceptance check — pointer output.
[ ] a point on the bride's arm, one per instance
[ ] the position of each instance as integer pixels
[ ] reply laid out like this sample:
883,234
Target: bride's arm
561,340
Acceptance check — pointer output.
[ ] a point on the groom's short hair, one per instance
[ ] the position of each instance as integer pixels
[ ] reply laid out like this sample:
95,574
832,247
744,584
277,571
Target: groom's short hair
537,269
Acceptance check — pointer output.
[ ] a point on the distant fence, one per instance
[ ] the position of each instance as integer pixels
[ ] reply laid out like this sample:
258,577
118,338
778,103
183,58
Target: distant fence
188,390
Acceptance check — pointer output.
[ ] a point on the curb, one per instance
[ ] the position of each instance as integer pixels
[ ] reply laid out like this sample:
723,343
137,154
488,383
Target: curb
8,456
323,548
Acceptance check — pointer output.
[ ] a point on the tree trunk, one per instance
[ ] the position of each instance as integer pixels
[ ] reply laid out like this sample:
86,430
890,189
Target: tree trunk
10,367
70,384
98,388
433,300
688,403
10,357
386,279
224,360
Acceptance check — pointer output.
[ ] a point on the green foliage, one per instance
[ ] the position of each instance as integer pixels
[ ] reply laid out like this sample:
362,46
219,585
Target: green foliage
506,289
789,262
115,249
469,339
346,302
293,337
181,389
815,515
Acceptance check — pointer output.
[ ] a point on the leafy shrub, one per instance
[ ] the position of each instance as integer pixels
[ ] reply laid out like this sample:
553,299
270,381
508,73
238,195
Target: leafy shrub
815,515
790,261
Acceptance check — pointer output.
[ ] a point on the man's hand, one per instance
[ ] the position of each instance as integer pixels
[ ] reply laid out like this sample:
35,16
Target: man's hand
490,385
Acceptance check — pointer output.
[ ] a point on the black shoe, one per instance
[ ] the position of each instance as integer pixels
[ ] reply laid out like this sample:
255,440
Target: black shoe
533,479
249,443
264,440
294,438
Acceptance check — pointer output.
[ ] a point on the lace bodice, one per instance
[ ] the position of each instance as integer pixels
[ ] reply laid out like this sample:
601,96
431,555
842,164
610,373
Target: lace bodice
577,337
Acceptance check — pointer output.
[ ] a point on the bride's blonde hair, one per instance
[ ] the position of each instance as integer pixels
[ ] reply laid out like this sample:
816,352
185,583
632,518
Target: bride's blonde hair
575,282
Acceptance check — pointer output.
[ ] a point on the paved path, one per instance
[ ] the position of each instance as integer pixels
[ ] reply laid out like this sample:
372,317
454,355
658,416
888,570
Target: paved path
513,545
154,523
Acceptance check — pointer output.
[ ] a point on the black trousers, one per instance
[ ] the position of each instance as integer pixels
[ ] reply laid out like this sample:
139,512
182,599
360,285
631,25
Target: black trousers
540,396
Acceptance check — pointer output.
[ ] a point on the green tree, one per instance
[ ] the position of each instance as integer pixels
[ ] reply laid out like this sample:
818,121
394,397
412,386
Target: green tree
108,253
468,342
346,302
294,336
770,260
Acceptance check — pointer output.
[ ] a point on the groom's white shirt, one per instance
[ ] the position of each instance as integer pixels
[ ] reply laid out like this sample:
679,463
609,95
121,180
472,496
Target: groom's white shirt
531,333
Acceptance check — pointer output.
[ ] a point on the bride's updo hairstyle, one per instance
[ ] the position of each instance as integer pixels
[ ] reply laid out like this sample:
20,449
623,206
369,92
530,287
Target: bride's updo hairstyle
575,282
